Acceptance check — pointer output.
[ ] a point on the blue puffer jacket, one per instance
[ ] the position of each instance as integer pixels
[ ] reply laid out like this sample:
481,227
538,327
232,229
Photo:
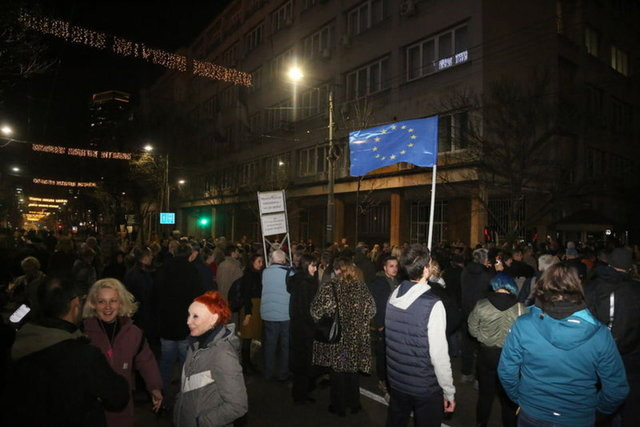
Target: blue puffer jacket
551,368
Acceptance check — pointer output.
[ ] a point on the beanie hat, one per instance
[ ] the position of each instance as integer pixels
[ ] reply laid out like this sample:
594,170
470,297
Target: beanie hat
620,258
504,281
571,249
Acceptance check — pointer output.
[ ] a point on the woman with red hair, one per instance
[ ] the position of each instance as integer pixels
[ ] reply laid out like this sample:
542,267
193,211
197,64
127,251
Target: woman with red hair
212,391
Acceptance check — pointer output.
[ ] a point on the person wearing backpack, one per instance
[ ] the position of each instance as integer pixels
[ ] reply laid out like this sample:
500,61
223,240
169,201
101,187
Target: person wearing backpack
490,322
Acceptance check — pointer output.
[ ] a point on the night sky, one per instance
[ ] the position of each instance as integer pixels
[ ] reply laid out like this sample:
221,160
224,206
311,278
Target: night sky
53,108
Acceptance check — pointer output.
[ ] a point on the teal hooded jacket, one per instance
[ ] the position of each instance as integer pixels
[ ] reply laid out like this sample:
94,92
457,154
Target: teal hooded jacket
562,371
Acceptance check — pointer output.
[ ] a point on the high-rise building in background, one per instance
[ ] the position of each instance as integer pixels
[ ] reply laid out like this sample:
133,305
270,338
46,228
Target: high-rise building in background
109,113
536,102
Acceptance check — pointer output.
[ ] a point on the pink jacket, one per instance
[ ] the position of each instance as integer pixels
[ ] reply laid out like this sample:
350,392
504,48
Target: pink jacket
129,348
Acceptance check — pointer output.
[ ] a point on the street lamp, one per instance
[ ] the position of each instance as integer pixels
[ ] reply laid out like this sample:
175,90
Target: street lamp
148,148
15,169
6,130
181,181
295,74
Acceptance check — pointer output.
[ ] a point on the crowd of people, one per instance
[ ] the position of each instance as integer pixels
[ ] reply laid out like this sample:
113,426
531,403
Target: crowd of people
550,330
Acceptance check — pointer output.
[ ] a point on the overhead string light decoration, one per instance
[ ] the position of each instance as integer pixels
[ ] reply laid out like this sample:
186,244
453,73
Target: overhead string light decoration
124,47
64,183
81,152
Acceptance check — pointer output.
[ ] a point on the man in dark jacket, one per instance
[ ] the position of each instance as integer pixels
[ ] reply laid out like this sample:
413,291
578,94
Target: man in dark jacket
57,377
362,261
385,282
178,284
475,285
613,298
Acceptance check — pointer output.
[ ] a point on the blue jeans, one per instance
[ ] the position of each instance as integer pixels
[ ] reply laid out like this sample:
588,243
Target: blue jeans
171,350
276,349
526,420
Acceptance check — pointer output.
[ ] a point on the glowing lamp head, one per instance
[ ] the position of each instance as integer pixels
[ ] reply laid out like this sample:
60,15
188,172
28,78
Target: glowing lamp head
203,221
295,74
6,130
181,181
148,148
15,169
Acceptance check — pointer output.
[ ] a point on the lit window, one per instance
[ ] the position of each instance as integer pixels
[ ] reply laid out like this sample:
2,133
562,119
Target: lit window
619,60
591,41
437,53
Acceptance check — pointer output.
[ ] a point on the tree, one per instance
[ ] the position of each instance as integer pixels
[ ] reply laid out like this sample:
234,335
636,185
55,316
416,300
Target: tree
517,141
23,53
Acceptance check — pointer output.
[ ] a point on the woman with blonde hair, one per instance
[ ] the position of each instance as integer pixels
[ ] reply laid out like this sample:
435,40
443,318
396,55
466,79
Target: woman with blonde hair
347,294
107,322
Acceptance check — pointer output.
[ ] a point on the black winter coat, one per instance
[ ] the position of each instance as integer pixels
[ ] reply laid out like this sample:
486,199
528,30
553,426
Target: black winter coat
140,283
68,383
303,289
451,306
626,291
380,291
474,285
178,284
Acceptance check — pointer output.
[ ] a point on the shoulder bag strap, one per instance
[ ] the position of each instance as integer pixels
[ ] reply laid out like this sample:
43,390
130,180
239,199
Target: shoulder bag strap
335,297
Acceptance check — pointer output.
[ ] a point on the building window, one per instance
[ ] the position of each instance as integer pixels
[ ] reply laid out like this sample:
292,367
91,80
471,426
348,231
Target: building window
308,4
312,161
229,97
278,116
419,222
370,79
364,16
592,41
619,61
282,17
255,124
231,55
257,79
452,131
317,44
594,104
254,38
313,102
621,116
248,173
502,216
279,65
437,53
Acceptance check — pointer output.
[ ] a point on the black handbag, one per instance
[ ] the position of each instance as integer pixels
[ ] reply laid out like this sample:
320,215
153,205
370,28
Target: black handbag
328,328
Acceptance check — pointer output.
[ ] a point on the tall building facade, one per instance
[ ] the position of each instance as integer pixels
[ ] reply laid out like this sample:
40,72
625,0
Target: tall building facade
109,113
537,104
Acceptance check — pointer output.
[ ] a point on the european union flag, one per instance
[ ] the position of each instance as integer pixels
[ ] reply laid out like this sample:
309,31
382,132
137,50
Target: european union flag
411,141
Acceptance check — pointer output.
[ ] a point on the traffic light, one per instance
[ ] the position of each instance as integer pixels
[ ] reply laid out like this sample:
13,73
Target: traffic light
203,221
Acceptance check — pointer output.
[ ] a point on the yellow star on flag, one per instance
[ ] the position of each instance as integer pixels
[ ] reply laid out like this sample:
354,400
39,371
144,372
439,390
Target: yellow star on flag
410,145
376,139
374,149
377,156
403,127
410,130
384,131
403,152
413,137
394,127
383,157
393,156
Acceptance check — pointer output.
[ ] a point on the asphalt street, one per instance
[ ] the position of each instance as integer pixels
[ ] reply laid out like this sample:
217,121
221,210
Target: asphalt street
270,404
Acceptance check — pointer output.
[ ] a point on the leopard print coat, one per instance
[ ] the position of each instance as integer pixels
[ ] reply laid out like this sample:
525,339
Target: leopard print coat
356,309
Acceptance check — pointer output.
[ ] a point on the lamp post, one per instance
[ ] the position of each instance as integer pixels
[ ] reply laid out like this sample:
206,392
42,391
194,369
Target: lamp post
149,148
295,75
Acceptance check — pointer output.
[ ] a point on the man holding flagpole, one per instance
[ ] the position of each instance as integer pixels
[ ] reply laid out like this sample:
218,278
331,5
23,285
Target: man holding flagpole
418,364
